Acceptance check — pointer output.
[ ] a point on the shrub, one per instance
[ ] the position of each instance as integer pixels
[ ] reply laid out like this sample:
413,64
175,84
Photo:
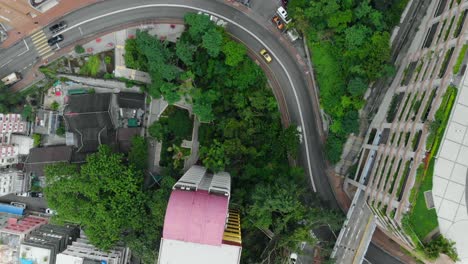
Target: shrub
107,60
37,139
460,58
92,66
79,49
55,106
108,76
60,131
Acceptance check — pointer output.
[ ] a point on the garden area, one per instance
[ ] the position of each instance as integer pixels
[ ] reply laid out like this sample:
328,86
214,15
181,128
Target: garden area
350,50
421,221
171,129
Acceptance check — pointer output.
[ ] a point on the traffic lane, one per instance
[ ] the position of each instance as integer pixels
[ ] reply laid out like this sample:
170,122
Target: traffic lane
376,255
33,203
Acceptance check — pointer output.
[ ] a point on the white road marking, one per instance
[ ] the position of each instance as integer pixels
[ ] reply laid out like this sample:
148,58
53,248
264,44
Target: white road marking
236,24
27,49
81,31
6,63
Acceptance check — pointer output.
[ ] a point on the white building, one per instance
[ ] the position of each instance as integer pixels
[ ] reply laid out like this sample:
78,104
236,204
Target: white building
11,181
81,252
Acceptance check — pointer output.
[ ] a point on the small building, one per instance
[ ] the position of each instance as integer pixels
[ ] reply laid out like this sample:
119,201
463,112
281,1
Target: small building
12,123
23,142
39,158
12,181
124,137
199,227
82,252
13,233
44,243
131,109
46,122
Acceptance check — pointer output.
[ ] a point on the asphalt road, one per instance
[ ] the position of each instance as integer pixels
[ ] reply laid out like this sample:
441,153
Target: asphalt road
376,255
250,29
251,32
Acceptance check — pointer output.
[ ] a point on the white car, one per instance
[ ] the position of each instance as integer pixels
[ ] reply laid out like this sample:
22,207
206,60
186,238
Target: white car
299,133
50,211
23,194
293,258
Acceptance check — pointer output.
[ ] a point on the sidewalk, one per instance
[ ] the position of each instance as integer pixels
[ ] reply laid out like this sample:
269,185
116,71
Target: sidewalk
43,19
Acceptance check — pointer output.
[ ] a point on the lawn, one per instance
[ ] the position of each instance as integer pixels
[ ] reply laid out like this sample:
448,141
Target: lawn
177,126
424,220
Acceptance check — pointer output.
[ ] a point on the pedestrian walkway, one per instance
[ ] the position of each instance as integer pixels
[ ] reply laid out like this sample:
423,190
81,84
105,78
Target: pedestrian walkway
40,43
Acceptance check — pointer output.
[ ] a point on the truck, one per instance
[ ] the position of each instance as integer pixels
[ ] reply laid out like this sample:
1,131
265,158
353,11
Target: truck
11,78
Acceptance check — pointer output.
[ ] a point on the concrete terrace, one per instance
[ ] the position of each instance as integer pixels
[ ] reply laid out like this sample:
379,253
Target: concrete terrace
396,142
450,175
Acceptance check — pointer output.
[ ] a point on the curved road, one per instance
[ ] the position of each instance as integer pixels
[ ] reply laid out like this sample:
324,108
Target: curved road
255,31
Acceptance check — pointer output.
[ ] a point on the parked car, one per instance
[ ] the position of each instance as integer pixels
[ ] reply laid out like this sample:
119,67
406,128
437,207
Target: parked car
36,194
23,194
266,55
58,27
283,14
50,211
54,40
21,205
278,23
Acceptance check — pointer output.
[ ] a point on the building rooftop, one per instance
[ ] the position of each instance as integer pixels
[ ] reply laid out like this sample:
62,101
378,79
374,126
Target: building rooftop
40,157
89,117
131,100
195,216
184,252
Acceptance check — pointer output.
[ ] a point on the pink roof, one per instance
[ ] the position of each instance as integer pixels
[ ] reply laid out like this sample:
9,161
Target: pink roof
196,217
25,225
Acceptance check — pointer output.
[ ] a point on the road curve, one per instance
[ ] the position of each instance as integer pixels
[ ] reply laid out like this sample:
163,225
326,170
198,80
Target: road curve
246,27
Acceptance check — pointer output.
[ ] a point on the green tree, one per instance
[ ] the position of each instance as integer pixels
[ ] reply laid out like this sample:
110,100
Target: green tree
170,92
185,51
234,52
54,106
104,196
138,155
214,157
202,104
212,41
36,139
79,49
357,86
27,112
158,130
356,36
198,25
153,89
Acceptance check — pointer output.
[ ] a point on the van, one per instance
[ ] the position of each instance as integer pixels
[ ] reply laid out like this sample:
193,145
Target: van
21,205
283,14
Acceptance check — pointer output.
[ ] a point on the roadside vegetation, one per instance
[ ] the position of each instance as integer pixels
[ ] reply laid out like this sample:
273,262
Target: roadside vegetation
421,221
349,43
241,133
